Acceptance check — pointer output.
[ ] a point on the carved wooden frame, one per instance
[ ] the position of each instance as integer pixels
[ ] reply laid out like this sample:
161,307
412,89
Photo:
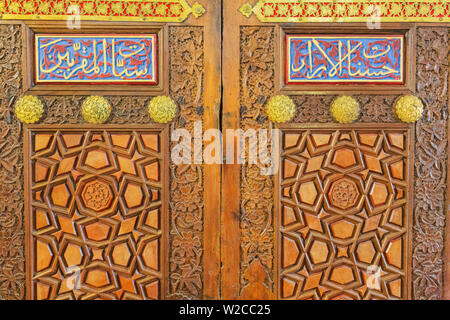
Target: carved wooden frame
406,29
60,27
27,144
409,128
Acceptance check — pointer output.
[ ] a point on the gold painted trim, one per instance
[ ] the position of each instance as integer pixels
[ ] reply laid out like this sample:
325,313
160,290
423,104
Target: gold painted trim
102,10
349,11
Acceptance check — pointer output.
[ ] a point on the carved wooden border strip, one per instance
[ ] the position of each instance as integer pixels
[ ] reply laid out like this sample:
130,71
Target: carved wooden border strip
12,256
431,156
186,70
257,191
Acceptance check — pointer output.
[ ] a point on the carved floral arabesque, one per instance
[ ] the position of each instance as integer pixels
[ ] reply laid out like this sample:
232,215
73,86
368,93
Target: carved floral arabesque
186,191
12,258
430,163
373,108
186,181
256,221
97,196
343,194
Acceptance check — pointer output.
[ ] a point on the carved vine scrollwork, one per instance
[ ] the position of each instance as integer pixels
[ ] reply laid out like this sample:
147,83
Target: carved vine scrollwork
67,109
257,85
430,163
186,181
12,257
374,108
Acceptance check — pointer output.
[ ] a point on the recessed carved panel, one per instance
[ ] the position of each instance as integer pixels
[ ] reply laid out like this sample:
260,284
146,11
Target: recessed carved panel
345,222
97,225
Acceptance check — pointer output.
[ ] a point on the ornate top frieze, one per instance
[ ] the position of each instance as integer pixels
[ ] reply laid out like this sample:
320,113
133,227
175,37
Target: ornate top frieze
109,10
349,10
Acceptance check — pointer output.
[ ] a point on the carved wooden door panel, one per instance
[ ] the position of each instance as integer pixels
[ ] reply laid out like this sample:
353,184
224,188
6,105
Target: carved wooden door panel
98,213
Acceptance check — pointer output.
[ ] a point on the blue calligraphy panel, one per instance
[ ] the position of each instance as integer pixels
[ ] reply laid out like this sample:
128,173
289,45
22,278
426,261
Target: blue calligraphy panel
89,58
344,59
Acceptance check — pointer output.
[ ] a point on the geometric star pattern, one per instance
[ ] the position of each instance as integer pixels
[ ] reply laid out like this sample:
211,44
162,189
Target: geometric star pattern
97,215
344,213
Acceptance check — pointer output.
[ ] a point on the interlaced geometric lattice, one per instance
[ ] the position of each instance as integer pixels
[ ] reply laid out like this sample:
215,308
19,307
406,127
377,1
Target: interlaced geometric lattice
96,214
344,213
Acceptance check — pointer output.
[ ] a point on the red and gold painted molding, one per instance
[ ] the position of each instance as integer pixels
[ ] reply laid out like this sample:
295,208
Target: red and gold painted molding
110,10
349,11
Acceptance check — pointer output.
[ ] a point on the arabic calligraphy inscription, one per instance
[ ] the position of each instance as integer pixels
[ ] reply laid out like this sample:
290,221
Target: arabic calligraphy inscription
96,58
348,59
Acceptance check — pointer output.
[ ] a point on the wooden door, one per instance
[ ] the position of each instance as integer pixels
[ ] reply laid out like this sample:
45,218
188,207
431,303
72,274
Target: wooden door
101,211
349,203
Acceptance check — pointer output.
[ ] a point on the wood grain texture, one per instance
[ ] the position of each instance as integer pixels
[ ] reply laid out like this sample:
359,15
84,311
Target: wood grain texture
230,204
212,197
